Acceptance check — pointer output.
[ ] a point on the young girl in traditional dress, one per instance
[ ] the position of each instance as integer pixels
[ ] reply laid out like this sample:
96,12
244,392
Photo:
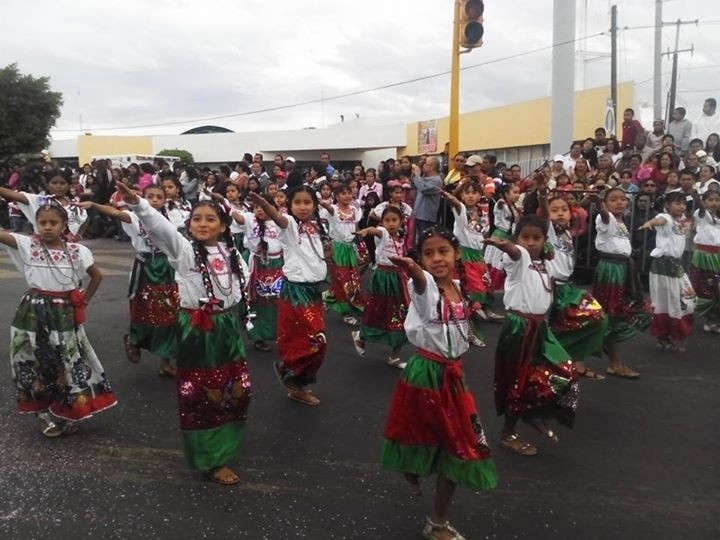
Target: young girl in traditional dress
433,425
57,190
576,318
617,284
534,376
176,207
345,295
213,383
506,216
301,318
237,229
387,298
705,264
153,293
56,373
672,296
265,282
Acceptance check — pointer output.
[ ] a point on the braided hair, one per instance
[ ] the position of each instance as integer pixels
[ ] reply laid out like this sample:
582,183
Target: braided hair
322,224
395,210
262,227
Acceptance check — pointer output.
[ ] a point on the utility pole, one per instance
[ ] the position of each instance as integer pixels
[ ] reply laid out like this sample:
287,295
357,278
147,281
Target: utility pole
673,80
562,104
613,61
454,145
657,69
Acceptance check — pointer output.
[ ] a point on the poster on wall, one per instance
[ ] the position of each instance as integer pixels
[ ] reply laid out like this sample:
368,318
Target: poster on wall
427,137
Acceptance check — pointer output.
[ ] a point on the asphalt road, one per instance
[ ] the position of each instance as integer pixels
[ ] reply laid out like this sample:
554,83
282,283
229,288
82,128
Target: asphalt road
642,461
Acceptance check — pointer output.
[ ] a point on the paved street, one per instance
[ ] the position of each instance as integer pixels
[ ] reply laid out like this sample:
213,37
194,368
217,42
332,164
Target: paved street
641,463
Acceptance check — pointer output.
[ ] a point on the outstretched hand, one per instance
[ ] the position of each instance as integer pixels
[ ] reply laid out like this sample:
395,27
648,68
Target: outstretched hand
85,205
255,198
406,263
129,196
494,241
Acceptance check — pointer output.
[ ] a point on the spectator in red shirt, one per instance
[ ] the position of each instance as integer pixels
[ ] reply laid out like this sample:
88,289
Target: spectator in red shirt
631,128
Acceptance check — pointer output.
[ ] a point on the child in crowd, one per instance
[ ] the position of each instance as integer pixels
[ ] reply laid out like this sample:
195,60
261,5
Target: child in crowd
213,383
433,425
281,201
325,193
617,283
176,206
506,216
301,319
153,293
386,299
56,373
534,375
673,298
233,200
368,214
345,296
705,265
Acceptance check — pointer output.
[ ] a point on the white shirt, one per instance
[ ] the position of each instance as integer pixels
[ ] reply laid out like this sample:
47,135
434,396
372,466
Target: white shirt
76,215
251,228
138,235
504,217
303,253
470,234
707,229
62,271
181,256
342,224
702,188
386,246
705,125
365,189
670,238
433,329
380,208
562,265
528,287
613,238
178,212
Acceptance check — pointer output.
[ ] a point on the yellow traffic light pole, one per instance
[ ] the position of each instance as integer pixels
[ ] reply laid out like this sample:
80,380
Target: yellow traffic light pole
454,138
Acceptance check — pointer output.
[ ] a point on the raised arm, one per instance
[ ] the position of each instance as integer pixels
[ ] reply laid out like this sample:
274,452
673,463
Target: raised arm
105,210
413,270
658,221
8,239
13,196
369,231
272,212
506,246
452,200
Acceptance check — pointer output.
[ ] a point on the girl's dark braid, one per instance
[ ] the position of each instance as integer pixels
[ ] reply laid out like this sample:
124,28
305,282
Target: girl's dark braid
236,268
201,254
322,227
262,228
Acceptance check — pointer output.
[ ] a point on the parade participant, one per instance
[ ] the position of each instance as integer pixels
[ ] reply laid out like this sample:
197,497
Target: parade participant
705,265
386,299
153,293
506,216
396,198
672,296
345,295
576,318
56,372
617,285
57,189
265,271
213,383
176,206
433,425
233,200
281,201
534,375
301,319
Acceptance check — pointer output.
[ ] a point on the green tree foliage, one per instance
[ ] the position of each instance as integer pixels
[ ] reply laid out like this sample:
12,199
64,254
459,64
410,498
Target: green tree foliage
184,155
28,109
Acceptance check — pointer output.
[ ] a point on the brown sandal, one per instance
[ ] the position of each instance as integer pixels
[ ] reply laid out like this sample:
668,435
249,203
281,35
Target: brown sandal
132,352
223,476
301,395
514,444
623,371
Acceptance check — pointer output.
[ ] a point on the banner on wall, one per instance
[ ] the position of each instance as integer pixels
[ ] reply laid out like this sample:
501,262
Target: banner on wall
427,137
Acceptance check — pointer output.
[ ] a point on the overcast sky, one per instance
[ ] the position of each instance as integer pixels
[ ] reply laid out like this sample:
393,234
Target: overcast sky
138,62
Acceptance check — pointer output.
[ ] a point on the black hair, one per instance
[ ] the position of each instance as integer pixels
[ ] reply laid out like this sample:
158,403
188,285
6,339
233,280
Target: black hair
322,224
371,200
702,210
53,206
629,110
174,180
712,102
607,192
342,188
531,220
395,210
262,226
147,168
192,173
696,140
472,184
674,196
688,172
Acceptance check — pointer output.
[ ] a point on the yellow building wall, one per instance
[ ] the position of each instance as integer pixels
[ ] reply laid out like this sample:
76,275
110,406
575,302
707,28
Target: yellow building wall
94,145
523,124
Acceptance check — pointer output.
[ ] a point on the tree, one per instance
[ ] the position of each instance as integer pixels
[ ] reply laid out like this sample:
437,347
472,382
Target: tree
184,155
28,109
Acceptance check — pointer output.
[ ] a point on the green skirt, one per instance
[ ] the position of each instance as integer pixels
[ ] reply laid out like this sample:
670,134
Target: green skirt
345,295
264,287
385,309
578,321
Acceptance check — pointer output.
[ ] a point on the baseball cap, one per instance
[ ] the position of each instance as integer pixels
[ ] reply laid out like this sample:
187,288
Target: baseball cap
290,158
559,157
701,154
473,160
234,175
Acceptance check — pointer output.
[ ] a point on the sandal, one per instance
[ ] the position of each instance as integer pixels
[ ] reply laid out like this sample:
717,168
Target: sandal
396,362
590,374
542,428
514,444
622,371
352,321
358,343
223,476
132,352
70,428
494,316
304,396
476,341
48,427
431,528
261,346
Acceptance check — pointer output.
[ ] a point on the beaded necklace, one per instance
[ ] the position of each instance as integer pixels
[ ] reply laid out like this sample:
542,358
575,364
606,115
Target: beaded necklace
451,317
209,276
68,280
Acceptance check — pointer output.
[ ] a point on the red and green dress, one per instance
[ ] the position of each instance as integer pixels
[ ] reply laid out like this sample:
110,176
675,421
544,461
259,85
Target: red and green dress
433,424
705,266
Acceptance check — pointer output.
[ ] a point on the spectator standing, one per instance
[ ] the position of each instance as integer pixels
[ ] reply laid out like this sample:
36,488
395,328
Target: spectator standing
427,199
681,129
295,177
631,128
325,161
709,121
654,138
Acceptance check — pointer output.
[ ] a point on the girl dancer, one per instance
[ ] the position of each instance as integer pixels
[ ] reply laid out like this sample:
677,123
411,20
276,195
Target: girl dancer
617,285
237,229
301,318
387,298
673,298
433,424
705,264
266,262
213,383
506,216
56,373
534,376
577,319
57,189
177,208
153,293
345,296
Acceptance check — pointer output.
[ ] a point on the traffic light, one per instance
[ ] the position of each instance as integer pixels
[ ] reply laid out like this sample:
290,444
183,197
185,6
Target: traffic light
471,23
